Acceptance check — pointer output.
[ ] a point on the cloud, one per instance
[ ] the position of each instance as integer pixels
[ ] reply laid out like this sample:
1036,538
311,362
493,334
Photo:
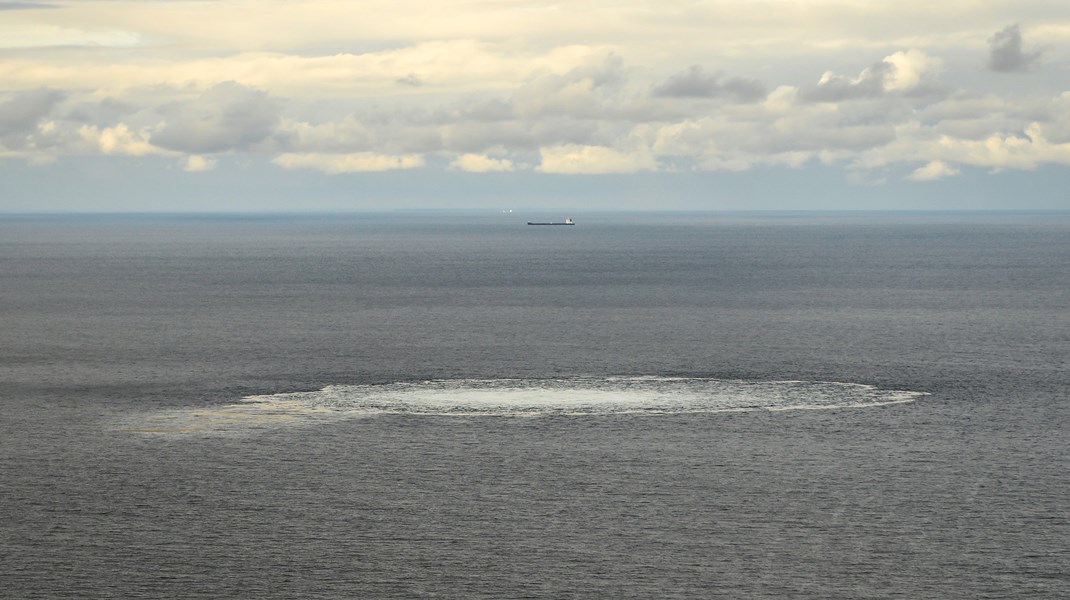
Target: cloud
445,66
911,67
779,135
903,71
485,86
694,83
1025,150
227,116
22,112
581,92
339,136
493,109
119,140
480,163
837,88
357,162
410,80
35,35
936,169
197,163
26,5
1006,55
577,159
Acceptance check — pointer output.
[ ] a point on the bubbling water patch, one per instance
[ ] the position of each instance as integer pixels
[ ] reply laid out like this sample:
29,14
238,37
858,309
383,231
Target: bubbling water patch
587,396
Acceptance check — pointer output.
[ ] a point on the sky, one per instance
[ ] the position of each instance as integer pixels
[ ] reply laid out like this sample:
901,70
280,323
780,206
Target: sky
332,105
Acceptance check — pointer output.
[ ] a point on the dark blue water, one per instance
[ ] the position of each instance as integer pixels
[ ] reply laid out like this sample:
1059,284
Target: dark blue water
110,326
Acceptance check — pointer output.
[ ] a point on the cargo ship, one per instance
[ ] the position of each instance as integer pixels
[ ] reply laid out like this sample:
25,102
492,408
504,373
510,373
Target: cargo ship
565,222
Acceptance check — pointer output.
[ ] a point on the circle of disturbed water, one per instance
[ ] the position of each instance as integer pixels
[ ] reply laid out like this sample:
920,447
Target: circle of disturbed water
526,398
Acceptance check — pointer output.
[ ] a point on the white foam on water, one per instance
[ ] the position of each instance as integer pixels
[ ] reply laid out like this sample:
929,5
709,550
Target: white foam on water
639,395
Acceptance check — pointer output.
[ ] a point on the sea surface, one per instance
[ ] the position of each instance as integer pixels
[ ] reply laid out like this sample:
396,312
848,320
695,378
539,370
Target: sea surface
457,405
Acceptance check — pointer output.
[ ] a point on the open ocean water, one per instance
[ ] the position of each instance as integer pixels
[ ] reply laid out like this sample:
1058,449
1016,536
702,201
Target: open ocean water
461,406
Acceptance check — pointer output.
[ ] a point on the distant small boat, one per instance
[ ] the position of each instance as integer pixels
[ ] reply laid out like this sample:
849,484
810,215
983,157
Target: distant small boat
565,222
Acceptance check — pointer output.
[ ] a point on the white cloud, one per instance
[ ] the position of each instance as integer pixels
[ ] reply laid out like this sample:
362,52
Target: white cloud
576,159
344,135
197,163
902,71
357,162
911,67
119,140
936,169
1026,151
480,163
16,34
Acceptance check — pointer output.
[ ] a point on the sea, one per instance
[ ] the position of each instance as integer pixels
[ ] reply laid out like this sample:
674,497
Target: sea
458,405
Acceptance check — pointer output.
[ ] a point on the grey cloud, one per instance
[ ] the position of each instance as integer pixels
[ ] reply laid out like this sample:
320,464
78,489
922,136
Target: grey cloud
694,83
836,88
495,109
962,105
564,130
410,80
609,73
487,111
228,116
929,90
580,92
1057,132
852,127
476,136
23,111
1006,53
26,5
107,111
411,139
815,136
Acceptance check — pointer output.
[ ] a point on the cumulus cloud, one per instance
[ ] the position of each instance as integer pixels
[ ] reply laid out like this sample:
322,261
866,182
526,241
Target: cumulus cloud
695,83
580,92
344,135
900,72
936,169
23,111
1025,150
1005,51
576,159
227,116
197,163
411,80
481,163
493,109
357,162
911,68
837,88
119,139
